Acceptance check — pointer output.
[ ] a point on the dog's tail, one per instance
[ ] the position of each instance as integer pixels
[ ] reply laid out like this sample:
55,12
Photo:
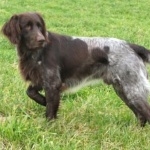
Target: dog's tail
141,52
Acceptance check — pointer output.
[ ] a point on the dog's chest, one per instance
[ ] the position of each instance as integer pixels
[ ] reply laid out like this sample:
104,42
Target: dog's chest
32,70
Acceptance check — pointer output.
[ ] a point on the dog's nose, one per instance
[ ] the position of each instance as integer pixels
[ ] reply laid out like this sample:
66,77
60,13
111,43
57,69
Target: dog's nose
40,38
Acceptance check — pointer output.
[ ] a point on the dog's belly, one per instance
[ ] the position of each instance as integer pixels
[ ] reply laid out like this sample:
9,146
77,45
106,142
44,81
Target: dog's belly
88,73
72,85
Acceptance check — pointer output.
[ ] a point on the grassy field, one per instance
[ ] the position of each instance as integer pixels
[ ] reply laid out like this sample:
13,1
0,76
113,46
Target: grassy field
93,118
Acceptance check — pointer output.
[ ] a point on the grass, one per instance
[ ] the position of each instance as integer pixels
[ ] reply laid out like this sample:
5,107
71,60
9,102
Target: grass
93,118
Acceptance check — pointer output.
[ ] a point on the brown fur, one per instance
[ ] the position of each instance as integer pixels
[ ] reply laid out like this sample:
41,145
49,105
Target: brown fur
45,59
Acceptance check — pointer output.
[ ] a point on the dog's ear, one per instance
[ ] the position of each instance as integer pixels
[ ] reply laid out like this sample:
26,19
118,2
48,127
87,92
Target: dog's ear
11,29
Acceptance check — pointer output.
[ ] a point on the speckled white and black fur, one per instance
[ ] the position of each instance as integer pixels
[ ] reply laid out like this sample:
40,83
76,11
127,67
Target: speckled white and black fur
54,62
126,72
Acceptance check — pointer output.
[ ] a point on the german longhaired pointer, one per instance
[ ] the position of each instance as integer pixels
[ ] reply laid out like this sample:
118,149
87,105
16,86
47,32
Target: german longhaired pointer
54,62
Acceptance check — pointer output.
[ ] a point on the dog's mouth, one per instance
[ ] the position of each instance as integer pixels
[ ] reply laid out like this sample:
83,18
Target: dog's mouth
41,44
38,45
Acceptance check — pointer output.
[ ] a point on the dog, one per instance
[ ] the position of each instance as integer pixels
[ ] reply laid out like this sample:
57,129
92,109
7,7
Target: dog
53,63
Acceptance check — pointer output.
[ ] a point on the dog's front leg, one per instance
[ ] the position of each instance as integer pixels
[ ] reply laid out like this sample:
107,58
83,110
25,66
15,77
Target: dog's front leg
33,93
52,94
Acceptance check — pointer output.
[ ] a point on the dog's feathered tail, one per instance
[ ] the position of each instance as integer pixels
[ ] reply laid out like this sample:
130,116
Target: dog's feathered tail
141,52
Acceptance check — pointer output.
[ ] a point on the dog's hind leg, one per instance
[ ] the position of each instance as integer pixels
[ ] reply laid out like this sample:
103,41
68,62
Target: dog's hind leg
33,93
135,99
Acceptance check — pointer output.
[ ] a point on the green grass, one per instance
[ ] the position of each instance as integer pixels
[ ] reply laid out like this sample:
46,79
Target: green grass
93,118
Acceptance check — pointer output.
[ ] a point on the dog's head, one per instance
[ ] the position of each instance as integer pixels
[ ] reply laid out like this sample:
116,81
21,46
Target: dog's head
26,28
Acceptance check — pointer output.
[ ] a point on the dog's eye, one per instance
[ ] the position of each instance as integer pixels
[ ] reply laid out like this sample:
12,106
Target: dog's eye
28,27
39,26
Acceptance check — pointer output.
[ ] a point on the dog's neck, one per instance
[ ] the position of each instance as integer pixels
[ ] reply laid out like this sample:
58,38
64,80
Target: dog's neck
26,53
